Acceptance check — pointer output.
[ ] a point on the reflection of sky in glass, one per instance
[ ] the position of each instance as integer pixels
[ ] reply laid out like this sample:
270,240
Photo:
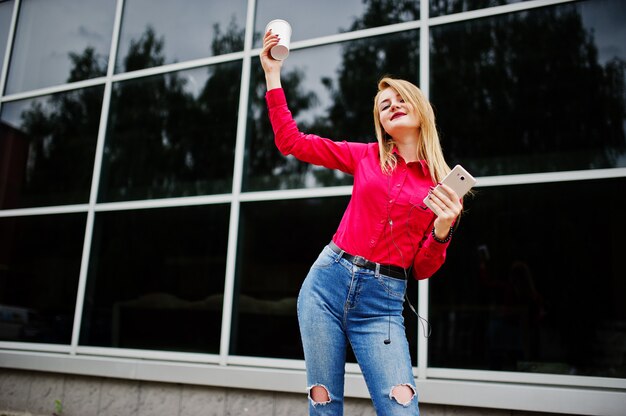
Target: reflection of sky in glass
48,31
316,64
12,111
195,79
309,19
187,27
6,9
607,21
439,7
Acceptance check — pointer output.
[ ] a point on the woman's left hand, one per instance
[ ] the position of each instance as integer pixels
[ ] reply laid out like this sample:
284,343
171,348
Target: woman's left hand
447,207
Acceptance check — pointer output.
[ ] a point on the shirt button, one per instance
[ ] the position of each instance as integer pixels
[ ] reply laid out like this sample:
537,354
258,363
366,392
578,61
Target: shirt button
372,242
391,201
398,185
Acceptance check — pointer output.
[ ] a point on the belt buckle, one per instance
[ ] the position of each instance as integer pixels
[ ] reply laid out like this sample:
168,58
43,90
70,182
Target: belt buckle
359,261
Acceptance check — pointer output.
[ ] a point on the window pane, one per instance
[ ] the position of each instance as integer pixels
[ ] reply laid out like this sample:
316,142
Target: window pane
178,31
172,135
311,19
156,279
39,268
6,12
439,7
333,100
47,148
278,243
277,246
535,282
534,91
60,41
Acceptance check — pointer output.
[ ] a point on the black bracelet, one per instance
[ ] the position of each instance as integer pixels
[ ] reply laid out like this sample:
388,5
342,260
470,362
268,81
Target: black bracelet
445,240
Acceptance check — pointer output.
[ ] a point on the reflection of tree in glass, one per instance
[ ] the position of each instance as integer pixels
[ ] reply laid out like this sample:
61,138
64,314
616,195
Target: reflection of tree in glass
386,12
266,167
525,92
349,117
62,135
364,63
439,7
165,139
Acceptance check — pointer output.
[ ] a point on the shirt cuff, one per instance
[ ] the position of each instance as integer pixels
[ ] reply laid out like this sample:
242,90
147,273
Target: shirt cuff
436,248
275,97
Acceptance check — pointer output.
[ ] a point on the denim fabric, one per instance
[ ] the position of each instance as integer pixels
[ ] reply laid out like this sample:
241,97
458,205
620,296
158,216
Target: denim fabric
340,303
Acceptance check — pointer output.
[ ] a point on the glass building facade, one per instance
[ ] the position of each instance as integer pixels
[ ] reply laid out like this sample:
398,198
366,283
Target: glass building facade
146,213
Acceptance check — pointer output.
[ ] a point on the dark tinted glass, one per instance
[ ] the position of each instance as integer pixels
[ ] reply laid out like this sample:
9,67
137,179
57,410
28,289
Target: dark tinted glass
439,7
156,279
39,268
333,99
47,148
60,41
535,91
535,281
6,12
278,243
310,19
172,135
157,32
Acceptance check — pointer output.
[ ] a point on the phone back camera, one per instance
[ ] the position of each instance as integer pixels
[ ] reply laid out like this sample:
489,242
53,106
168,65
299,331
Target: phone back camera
462,178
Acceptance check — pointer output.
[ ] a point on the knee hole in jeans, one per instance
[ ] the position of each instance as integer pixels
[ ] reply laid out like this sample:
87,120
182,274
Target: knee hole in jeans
402,393
319,394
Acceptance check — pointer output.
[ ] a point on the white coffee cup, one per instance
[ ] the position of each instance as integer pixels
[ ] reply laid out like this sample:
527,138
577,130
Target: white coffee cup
283,29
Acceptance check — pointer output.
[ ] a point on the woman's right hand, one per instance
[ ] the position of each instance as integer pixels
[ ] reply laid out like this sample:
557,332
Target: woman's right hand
271,66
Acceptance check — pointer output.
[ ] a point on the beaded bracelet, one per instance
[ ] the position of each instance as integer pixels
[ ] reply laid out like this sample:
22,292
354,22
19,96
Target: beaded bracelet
445,240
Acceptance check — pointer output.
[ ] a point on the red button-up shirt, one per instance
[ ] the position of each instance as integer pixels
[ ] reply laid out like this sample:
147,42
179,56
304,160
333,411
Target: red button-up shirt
386,221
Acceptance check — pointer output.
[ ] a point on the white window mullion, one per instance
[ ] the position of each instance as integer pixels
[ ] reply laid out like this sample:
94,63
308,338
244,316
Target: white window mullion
233,229
7,52
422,302
95,179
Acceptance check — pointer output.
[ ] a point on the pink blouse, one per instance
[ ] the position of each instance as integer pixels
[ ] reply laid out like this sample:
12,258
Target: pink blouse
386,221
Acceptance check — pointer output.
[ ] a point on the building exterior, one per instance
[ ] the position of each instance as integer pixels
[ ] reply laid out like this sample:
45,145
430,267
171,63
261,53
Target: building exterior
151,232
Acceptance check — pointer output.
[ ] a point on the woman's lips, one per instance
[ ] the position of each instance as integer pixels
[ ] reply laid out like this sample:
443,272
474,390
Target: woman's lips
396,115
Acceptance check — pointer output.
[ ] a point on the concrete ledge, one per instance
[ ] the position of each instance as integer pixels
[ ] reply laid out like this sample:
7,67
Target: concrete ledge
479,394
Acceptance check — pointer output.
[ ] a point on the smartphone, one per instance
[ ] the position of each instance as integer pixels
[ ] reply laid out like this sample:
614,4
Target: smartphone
458,179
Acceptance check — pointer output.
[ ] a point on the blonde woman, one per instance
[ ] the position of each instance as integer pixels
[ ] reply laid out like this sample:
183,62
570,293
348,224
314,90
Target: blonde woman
354,292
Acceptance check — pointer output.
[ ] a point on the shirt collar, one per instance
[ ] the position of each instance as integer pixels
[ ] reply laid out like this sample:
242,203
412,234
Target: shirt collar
422,162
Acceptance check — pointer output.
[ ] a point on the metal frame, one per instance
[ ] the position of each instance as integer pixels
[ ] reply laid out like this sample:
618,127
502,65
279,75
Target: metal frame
554,393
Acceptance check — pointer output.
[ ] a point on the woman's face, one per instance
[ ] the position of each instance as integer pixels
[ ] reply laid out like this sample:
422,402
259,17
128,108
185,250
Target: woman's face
396,116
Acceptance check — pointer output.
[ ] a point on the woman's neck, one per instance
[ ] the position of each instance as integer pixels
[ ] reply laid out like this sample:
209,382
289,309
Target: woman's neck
407,147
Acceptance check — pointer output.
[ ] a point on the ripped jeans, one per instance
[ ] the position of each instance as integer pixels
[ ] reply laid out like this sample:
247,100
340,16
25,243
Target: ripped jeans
340,303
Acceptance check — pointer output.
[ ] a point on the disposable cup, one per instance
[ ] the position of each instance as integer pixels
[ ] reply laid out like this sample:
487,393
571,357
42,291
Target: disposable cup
281,28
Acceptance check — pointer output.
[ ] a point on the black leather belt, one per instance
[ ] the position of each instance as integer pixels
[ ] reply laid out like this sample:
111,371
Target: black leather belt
388,270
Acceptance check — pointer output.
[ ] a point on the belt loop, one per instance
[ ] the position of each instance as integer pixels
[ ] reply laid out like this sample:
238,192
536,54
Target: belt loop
339,256
377,270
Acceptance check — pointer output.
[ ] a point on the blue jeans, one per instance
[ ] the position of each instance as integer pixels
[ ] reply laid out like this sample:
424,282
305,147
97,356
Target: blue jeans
340,303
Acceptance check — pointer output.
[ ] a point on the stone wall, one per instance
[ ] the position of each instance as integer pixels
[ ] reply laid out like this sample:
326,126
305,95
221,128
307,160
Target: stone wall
27,393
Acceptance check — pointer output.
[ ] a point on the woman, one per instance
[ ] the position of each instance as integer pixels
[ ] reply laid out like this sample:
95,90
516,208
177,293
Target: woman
355,290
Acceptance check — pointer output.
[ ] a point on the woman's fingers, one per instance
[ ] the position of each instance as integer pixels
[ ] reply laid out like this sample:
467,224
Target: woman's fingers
268,63
446,201
269,41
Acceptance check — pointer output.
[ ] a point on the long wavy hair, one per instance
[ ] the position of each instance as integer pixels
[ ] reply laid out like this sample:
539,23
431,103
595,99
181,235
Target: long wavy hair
429,147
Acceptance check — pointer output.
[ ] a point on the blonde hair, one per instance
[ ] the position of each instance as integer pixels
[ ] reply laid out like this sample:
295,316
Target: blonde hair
429,147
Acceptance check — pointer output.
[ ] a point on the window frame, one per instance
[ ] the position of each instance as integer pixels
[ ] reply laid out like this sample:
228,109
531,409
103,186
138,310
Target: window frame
506,390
